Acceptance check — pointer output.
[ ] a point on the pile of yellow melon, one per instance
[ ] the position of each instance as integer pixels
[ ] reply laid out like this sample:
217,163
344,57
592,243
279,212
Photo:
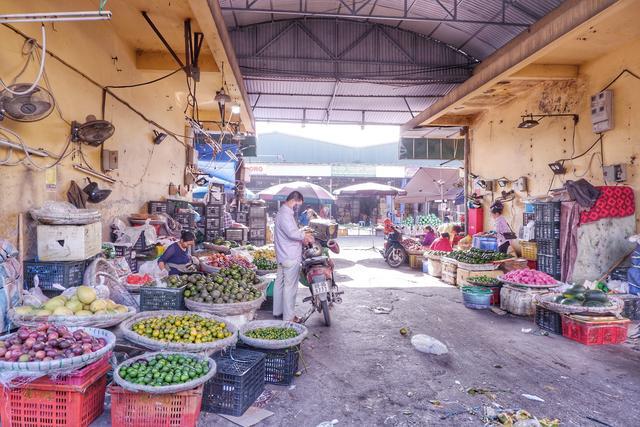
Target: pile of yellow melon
83,303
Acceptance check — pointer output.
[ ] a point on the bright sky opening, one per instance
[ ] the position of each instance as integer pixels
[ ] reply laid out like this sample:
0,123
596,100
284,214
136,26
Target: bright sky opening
349,135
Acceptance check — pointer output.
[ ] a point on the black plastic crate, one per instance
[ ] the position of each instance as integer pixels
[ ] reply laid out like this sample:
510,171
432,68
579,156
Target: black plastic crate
238,382
213,223
157,207
549,264
267,304
547,230
65,273
257,242
526,217
185,219
158,298
211,235
213,211
631,306
242,217
174,205
548,247
548,320
237,234
547,211
619,273
257,211
280,366
257,234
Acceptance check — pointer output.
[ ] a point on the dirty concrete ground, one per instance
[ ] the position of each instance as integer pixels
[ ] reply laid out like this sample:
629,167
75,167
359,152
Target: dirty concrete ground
362,372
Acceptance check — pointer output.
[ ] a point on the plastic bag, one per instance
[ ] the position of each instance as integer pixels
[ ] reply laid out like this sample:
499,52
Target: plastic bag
102,292
427,344
152,269
34,296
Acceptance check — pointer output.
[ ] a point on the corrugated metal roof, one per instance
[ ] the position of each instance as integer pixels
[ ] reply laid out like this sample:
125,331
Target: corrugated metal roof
282,55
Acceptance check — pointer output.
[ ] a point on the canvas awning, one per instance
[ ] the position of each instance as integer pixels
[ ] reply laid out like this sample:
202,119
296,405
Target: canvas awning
429,184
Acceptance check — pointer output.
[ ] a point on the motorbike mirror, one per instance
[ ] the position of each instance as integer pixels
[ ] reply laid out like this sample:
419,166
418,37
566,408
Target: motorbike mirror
333,246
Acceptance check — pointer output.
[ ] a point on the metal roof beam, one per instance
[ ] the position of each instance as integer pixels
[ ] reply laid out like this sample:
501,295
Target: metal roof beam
319,95
354,15
357,110
321,121
421,65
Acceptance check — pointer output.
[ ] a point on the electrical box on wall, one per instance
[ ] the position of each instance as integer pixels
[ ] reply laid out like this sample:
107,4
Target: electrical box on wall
109,160
615,173
520,184
602,111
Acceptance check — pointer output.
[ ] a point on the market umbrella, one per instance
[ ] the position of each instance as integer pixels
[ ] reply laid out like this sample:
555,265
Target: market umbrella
310,192
369,189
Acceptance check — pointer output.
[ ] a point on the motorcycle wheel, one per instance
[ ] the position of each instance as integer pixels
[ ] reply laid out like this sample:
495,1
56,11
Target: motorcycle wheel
396,257
325,313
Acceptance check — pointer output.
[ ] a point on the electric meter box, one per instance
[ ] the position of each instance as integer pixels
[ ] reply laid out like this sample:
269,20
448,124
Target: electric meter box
602,111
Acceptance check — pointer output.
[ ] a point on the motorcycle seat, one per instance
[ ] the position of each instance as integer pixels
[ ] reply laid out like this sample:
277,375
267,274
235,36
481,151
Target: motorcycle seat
314,261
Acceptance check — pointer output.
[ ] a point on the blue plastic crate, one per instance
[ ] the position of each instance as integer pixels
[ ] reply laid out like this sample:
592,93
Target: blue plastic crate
238,382
485,243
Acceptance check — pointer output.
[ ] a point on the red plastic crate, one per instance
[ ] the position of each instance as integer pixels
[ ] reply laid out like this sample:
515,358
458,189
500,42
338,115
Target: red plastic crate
595,333
43,403
533,265
80,376
495,296
155,410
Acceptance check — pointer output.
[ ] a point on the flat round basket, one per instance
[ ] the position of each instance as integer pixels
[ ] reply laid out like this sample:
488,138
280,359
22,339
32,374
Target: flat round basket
230,309
95,321
152,344
524,285
265,272
546,301
264,284
445,259
69,364
272,344
477,267
220,248
174,388
206,268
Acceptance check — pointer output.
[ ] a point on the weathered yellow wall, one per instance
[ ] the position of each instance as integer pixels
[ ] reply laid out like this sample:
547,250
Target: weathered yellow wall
499,148
145,169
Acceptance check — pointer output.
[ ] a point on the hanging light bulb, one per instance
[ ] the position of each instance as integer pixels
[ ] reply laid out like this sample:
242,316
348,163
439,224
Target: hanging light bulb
235,109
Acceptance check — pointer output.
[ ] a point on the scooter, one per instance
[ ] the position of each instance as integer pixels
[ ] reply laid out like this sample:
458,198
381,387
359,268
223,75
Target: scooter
394,253
317,275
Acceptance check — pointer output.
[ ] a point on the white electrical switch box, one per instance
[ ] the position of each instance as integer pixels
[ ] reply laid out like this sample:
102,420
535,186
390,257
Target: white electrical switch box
602,111
615,173
521,184
109,160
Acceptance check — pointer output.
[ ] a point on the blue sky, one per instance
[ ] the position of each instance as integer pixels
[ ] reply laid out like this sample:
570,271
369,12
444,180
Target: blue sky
349,135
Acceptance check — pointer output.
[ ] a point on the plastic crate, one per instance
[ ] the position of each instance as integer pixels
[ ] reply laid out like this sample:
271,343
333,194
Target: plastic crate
280,366
186,219
157,298
529,250
237,384
236,234
44,403
549,264
65,273
548,247
485,243
213,223
211,235
157,207
631,308
547,211
547,231
180,409
595,333
548,320
174,205
213,211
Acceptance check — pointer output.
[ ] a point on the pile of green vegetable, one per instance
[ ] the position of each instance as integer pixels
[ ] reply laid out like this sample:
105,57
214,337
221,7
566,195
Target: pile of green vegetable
437,253
272,333
579,295
265,264
164,370
483,281
180,281
477,256
229,285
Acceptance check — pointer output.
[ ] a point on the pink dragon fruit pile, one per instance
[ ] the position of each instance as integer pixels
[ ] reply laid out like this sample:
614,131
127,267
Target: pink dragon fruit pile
529,277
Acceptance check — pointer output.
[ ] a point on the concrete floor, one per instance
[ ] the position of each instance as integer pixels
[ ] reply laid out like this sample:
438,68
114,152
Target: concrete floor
362,372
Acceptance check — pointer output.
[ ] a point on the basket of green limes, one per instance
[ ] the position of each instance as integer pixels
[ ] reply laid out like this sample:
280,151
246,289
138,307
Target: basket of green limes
272,334
164,372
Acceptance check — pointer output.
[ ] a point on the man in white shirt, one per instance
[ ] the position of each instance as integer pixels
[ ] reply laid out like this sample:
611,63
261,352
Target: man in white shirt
289,241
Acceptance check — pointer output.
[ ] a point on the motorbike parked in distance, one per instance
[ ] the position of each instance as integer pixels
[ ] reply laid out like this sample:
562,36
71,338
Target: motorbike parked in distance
393,253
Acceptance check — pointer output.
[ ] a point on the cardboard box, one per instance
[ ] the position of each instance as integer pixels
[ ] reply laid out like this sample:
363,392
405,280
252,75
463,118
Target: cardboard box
464,274
69,242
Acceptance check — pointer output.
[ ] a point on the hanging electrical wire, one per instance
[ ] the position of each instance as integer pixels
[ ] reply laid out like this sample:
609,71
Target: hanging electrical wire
40,70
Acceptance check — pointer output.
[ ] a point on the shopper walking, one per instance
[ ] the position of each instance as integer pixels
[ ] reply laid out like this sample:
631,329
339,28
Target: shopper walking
289,240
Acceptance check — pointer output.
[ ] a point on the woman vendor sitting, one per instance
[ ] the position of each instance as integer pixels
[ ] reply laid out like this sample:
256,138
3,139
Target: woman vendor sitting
177,258
442,243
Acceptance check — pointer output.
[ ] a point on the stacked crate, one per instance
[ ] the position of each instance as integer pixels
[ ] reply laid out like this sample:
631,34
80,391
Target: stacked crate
547,232
213,222
257,225
241,215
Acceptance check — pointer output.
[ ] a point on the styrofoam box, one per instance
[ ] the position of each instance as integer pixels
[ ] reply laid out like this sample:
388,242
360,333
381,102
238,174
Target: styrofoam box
69,242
